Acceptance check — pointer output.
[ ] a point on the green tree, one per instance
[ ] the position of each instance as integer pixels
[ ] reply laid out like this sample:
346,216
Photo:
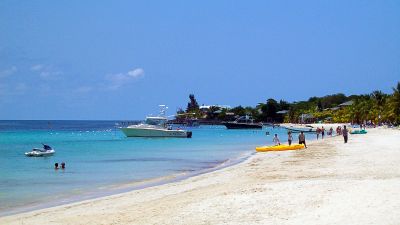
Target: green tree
238,110
379,100
211,113
192,106
284,105
394,108
319,106
268,110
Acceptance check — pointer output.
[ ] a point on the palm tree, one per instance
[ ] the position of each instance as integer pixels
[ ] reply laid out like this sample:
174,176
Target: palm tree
395,103
379,99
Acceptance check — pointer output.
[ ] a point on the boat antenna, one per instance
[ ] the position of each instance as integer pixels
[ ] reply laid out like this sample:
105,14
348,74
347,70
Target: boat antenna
163,109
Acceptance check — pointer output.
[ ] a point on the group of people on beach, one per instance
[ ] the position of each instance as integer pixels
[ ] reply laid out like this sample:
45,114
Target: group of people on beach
302,137
339,131
322,132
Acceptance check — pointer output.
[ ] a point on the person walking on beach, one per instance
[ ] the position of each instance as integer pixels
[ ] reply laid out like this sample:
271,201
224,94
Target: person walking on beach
318,132
322,132
290,138
276,140
345,133
302,139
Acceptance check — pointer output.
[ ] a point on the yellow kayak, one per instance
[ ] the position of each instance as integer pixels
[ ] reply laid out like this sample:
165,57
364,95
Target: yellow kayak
279,148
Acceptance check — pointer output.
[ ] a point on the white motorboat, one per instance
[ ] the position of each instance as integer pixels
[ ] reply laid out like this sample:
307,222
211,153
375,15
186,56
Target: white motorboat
155,126
37,152
298,129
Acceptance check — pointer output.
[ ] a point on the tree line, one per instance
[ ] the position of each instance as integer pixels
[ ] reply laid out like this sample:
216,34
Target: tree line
376,107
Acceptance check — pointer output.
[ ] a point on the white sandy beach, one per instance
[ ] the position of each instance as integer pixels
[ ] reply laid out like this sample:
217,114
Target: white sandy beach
328,183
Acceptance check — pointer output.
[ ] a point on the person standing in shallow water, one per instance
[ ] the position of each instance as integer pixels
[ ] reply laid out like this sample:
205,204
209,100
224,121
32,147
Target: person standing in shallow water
276,140
345,133
290,138
302,139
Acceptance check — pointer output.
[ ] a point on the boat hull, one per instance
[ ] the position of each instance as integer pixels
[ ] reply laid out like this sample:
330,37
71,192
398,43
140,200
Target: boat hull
233,125
305,130
142,132
40,153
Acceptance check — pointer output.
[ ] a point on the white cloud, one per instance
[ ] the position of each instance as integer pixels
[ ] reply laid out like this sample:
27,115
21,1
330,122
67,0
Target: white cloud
120,79
8,72
50,75
46,72
37,67
138,72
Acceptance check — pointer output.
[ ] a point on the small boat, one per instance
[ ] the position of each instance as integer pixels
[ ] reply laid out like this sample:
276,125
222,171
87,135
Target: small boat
298,129
304,130
155,126
279,148
358,132
38,152
243,122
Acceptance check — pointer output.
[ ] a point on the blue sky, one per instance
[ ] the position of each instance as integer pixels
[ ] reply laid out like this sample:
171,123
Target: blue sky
121,59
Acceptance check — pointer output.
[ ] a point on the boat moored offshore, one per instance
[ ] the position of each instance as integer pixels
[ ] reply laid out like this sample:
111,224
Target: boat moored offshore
155,126
243,122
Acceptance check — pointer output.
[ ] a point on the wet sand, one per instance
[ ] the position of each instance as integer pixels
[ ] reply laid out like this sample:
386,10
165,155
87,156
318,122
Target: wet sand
328,183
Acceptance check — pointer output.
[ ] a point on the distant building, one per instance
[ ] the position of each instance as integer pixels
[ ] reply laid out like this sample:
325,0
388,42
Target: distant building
348,103
283,112
307,118
206,108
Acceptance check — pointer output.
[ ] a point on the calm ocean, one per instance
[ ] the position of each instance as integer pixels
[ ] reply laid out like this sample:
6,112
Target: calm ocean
101,160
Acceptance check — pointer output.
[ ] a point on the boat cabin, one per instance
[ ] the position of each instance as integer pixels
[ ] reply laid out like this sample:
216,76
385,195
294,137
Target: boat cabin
156,121
244,119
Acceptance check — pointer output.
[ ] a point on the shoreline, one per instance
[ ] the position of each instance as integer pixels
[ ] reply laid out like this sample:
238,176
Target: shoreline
334,182
126,186
121,188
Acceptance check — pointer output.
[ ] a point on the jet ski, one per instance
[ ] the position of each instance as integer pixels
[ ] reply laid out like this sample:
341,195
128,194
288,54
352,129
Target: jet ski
37,152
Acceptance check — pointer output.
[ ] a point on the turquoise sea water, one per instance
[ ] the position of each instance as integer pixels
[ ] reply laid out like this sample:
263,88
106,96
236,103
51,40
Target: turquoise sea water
99,158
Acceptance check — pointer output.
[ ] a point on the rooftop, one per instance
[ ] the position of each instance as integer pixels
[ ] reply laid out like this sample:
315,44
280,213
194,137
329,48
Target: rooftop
348,103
